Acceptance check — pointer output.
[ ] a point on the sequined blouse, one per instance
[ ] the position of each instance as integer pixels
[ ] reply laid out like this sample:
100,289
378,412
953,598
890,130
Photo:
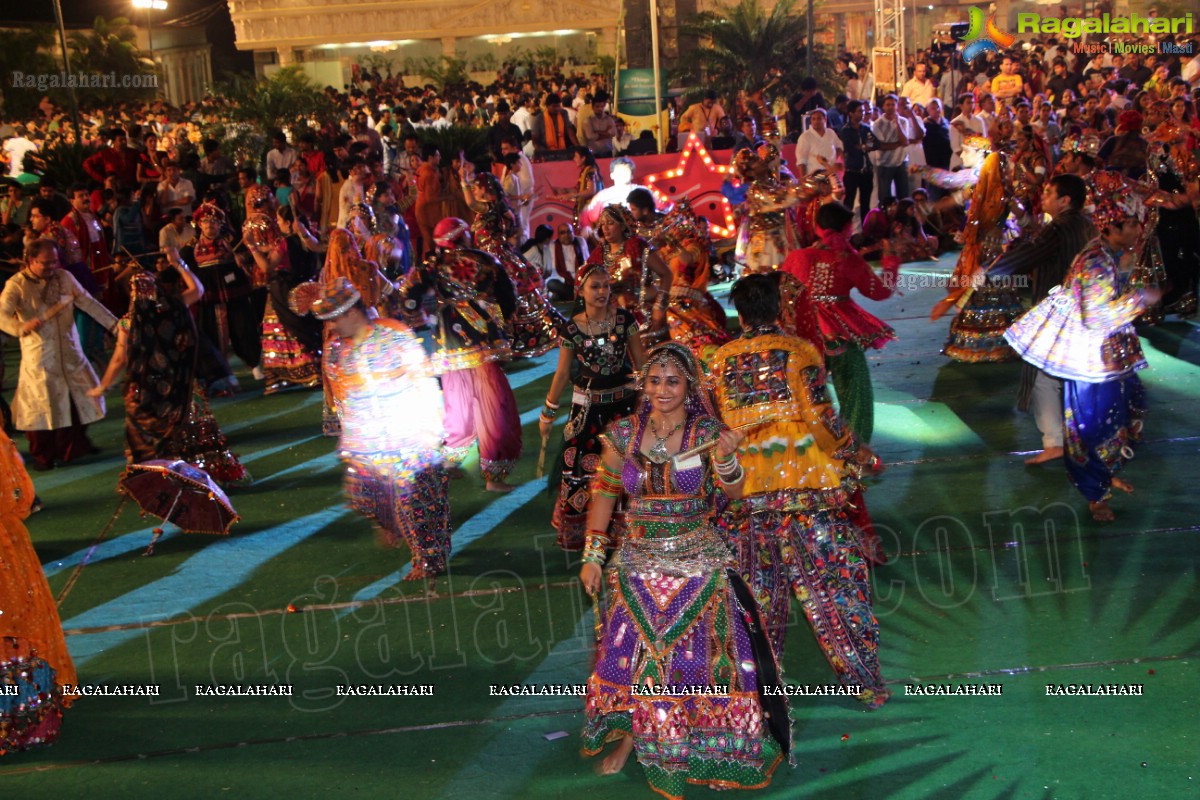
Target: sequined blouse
68,243
469,327
766,202
211,251
494,227
671,499
601,361
830,270
387,399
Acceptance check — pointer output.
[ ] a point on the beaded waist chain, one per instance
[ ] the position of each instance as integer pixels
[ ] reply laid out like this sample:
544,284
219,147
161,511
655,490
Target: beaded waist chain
830,298
793,500
581,397
686,293
696,553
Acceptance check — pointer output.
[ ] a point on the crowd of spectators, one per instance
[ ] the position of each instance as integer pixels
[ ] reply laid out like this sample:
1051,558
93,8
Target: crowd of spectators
155,162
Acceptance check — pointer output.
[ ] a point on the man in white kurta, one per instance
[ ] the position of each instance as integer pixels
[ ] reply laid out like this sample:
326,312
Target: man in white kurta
818,147
51,403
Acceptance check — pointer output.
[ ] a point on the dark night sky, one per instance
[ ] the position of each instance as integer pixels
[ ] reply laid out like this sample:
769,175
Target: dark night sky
82,12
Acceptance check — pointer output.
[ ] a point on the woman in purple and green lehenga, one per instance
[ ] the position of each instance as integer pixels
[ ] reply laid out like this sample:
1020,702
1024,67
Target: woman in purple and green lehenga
682,660
1083,333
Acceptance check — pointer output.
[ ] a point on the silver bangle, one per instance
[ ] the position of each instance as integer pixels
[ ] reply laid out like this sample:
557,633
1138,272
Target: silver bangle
727,467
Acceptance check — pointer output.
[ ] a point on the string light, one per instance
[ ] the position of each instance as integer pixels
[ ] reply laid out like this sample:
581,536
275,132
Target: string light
724,209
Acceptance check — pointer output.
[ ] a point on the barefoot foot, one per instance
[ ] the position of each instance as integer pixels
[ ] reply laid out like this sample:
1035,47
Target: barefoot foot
1049,454
1101,511
499,486
614,762
1124,486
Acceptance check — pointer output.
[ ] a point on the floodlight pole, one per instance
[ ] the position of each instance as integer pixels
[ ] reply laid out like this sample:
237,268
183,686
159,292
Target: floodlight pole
658,109
811,40
66,56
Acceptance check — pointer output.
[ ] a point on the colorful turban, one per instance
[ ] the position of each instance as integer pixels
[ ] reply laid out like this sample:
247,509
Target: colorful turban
743,161
208,211
978,142
259,198
449,232
260,230
1129,121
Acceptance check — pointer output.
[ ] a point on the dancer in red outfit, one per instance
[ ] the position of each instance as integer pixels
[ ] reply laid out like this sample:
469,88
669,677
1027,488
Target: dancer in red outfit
830,270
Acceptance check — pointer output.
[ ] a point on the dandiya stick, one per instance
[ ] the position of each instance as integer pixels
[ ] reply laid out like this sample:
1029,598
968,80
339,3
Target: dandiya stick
541,465
695,451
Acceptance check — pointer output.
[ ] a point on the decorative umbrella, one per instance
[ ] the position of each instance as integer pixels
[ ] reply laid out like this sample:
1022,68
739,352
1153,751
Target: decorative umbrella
178,492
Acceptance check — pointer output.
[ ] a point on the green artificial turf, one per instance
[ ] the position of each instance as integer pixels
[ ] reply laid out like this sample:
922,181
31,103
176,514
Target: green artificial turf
998,576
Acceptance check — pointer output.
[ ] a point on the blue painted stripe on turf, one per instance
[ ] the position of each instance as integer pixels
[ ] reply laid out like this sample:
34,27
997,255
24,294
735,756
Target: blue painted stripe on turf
139,539
544,365
215,570
67,475
312,466
270,451
469,532
128,543
63,476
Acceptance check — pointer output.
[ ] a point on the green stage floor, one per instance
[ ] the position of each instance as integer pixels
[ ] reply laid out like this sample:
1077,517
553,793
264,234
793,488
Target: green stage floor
998,577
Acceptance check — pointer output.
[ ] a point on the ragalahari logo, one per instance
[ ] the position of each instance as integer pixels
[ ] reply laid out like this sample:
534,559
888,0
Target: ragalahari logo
982,37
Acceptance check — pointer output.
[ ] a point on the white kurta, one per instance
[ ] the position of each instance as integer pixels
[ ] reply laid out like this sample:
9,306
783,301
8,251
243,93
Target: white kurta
54,372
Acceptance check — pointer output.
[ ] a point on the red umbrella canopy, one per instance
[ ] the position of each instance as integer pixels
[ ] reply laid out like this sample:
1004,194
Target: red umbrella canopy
175,491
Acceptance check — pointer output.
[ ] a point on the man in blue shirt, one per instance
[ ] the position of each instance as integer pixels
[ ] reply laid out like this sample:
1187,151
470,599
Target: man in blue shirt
836,116
936,143
857,141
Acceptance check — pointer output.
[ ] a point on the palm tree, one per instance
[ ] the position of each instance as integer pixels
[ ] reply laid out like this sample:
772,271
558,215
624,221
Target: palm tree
745,47
442,71
109,48
286,99
25,51
376,61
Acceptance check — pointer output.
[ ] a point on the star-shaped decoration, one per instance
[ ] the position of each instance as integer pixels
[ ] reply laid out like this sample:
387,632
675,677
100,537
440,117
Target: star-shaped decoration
685,181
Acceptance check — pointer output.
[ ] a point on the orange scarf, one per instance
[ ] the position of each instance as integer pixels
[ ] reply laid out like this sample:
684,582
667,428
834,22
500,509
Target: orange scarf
555,137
